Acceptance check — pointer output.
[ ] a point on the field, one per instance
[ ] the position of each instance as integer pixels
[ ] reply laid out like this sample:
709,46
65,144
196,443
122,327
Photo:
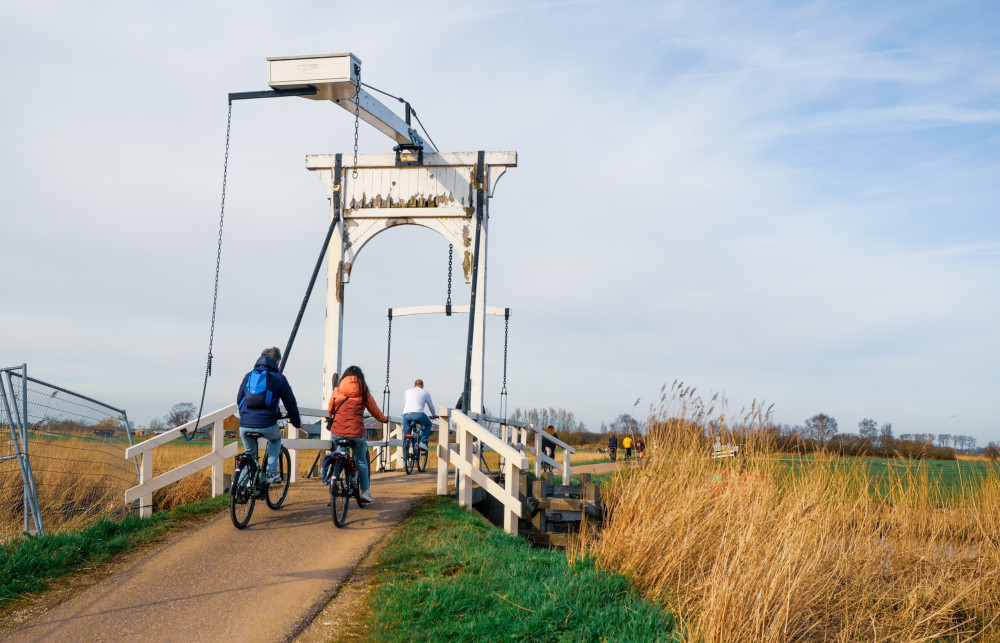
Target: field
771,548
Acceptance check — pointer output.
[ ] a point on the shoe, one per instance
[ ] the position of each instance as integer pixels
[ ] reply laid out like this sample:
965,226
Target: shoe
274,479
422,446
366,496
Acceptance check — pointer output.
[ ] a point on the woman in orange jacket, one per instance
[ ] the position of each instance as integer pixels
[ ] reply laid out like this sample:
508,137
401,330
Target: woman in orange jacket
347,407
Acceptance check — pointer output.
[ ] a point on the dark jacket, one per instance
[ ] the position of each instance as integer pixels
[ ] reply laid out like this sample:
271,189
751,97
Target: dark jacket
613,442
262,418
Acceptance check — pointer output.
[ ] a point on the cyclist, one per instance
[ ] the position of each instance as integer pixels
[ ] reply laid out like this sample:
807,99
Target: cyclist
640,448
548,446
627,445
414,401
257,401
347,409
613,447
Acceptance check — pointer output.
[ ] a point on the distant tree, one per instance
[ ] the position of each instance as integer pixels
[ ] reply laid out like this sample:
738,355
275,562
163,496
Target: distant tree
625,423
179,414
944,439
868,429
821,427
885,436
992,451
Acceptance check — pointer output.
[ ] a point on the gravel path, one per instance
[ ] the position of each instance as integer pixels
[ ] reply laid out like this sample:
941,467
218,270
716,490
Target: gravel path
264,583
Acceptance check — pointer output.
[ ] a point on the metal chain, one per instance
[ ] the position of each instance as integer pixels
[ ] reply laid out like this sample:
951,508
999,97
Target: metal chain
357,114
218,263
451,254
388,353
503,390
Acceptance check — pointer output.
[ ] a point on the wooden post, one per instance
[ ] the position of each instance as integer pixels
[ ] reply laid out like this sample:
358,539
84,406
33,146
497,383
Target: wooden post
465,453
293,455
538,455
567,471
145,475
218,432
512,483
443,450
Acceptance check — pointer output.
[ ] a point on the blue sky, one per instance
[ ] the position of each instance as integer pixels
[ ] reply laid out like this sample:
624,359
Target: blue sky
795,203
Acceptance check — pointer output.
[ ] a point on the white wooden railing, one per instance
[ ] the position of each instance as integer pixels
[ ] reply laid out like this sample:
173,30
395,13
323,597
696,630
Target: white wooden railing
515,442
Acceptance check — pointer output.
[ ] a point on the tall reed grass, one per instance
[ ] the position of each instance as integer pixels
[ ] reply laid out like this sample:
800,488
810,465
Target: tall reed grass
752,549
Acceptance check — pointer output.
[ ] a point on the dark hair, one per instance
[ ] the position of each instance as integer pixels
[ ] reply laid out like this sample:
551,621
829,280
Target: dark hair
356,372
273,352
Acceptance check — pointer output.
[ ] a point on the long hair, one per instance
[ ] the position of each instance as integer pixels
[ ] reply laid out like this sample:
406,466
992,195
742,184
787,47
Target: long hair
356,372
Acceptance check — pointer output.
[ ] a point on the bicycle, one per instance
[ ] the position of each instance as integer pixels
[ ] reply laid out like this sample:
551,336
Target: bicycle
249,483
412,454
343,481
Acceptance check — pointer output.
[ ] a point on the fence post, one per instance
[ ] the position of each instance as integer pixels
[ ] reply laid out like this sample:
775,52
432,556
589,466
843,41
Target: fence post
218,432
465,453
145,475
444,450
293,455
512,484
567,472
538,455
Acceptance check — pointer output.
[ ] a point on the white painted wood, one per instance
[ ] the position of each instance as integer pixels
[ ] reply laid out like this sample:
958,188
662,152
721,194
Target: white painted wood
218,433
431,159
470,473
174,433
447,211
478,371
331,74
512,482
333,343
148,487
145,475
443,450
441,310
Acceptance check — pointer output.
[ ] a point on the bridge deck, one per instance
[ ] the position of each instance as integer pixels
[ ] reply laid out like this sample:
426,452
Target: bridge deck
264,583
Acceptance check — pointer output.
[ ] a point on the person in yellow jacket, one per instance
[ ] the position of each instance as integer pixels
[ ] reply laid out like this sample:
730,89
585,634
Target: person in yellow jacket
627,445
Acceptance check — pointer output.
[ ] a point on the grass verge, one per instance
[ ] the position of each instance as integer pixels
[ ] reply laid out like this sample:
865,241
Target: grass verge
447,574
27,564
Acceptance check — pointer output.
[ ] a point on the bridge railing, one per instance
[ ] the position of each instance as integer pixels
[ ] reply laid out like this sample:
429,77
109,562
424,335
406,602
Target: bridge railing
528,438
465,458
143,492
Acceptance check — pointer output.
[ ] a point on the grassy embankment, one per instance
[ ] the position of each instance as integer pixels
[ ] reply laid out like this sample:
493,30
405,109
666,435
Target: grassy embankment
820,548
28,564
449,575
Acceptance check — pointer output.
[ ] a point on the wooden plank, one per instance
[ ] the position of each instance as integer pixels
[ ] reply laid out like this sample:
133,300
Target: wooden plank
175,433
431,159
182,471
563,516
561,504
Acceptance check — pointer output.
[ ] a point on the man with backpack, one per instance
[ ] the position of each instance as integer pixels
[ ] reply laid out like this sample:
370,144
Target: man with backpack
257,401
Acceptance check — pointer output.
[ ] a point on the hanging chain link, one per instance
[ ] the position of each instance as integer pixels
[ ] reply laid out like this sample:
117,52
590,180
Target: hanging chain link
451,254
218,263
388,354
503,389
357,115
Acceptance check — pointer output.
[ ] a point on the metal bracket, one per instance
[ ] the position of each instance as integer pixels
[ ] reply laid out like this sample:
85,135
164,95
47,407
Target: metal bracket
404,147
274,93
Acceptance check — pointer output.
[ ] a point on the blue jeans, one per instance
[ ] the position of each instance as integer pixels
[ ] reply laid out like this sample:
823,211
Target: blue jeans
421,419
359,451
273,436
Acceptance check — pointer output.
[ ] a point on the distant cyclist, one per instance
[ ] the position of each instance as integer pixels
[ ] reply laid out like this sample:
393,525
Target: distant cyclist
613,447
414,401
627,445
257,401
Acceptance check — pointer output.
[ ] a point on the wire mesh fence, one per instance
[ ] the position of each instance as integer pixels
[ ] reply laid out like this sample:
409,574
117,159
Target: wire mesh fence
76,450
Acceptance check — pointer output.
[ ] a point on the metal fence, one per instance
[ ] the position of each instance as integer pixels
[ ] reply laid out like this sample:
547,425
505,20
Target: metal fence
62,457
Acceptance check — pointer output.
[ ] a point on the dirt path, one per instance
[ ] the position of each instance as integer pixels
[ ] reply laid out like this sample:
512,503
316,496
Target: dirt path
265,583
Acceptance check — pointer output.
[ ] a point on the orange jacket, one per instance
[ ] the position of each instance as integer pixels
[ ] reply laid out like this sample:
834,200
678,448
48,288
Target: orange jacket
348,422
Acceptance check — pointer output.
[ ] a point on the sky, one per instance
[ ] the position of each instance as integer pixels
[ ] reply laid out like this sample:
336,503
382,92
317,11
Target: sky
793,204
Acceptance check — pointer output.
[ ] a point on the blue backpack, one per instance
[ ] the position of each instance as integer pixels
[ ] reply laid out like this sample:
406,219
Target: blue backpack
257,392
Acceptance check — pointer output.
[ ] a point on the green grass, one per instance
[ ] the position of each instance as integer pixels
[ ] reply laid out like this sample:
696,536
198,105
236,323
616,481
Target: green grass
949,479
447,574
27,564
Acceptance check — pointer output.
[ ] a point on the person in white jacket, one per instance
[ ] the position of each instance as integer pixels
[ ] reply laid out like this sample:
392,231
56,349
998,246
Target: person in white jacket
414,401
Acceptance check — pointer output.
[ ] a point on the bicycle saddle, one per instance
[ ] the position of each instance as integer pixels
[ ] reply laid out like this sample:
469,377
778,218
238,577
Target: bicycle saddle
344,442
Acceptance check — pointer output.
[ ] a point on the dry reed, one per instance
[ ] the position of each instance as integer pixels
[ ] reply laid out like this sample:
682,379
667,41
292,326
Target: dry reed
753,549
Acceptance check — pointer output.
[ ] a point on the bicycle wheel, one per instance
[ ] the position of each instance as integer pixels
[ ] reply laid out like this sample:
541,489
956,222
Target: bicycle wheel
276,493
340,493
409,458
241,500
422,460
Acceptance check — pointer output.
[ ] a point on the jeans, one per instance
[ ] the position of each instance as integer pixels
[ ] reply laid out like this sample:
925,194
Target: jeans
359,451
273,436
421,419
